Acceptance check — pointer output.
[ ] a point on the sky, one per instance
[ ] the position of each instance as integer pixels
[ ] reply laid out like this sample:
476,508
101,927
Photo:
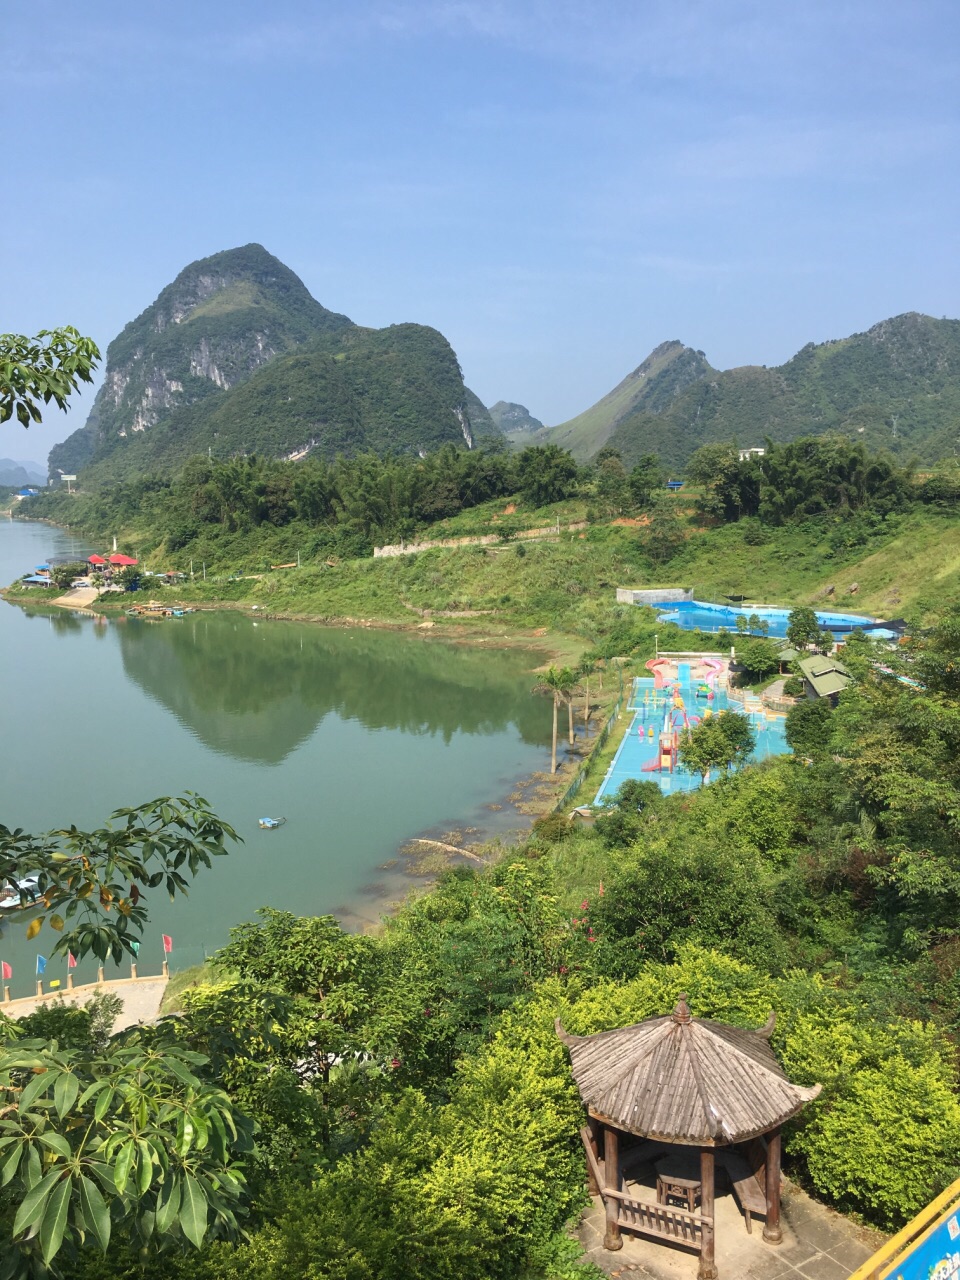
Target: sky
556,186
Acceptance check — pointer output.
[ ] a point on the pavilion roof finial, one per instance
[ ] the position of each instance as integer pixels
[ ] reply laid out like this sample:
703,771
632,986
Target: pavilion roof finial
682,1013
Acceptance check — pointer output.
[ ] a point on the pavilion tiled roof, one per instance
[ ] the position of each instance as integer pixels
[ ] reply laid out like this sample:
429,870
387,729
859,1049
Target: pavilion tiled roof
684,1079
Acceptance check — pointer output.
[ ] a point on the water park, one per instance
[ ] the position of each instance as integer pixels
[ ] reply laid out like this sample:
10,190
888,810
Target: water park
698,615
681,691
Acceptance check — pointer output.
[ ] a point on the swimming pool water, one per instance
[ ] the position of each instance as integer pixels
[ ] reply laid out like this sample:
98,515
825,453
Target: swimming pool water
695,615
638,748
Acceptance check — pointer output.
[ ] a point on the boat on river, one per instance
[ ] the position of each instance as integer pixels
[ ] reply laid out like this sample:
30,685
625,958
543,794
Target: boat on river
10,894
270,824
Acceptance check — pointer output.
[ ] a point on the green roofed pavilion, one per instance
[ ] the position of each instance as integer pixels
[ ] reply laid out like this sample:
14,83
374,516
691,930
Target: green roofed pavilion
826,676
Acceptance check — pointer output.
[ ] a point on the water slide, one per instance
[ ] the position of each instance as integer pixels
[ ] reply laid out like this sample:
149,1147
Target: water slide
659,679
713,667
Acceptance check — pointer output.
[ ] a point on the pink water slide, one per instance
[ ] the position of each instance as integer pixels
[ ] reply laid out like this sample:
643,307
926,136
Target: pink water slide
714,667
659,679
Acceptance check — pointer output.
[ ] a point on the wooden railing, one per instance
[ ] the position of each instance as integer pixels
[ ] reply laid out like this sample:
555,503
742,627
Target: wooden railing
662,1220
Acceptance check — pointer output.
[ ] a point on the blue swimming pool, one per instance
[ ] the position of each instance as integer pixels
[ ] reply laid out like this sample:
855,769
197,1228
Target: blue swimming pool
695,615
641,743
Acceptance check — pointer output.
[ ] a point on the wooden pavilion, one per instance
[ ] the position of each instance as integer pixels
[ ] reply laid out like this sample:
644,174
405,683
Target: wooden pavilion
697,1094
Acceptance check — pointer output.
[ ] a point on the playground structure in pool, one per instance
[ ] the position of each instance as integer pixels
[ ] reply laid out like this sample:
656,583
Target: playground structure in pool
676,717
667,705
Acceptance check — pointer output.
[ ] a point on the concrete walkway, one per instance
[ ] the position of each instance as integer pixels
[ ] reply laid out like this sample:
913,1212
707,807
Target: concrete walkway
141,999
818,1244
78,598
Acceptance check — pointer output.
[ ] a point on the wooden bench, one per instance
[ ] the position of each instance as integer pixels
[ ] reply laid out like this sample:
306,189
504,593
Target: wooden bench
744,1184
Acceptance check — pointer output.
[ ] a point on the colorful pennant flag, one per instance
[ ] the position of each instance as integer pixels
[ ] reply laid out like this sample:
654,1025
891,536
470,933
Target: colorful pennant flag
41,965
135,947
167,943
7,971
71,960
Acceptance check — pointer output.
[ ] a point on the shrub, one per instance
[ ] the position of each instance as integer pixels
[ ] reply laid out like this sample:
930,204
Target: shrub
889,1144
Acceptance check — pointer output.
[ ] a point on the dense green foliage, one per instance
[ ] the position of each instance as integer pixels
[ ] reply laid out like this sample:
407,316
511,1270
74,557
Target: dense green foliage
46,368
812,476
343,508
410,1108
91,887
897,387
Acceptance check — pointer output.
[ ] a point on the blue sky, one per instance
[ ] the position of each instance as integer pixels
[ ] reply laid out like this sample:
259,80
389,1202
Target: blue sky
557,186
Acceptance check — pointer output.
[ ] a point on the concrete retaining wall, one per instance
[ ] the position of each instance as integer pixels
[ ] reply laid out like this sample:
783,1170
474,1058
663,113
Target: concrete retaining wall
480,540
654,595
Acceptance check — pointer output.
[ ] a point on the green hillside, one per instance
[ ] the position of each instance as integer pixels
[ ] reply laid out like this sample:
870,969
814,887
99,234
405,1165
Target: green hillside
897,386
236,357
389,390
219,321
651,388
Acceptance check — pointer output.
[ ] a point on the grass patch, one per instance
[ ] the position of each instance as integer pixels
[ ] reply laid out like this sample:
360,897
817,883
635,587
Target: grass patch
183,980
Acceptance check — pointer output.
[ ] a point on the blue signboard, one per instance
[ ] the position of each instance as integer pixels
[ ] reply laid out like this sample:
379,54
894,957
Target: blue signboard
935,1256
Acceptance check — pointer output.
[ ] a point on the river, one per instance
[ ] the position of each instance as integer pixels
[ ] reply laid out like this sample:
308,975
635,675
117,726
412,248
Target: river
362,739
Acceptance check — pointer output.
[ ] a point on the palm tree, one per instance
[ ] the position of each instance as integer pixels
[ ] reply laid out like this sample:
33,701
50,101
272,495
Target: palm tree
557,681
584,671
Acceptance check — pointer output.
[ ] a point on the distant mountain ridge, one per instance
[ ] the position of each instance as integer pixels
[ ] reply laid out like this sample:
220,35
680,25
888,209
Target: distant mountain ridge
897,386
236,356
653,385
514,419
14,473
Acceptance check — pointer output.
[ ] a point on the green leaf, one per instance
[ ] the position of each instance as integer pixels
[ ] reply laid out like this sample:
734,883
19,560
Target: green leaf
34,1202
34,1170
65,1092
145,1171
96,1215
11,1164
104,1102
168,1204
56,1142
193,1211
55,1220
33,1088
121,1168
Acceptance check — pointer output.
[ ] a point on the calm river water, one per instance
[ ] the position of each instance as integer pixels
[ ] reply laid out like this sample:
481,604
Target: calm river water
362,739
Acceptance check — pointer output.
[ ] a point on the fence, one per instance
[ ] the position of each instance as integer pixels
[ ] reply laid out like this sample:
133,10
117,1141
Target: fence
599,743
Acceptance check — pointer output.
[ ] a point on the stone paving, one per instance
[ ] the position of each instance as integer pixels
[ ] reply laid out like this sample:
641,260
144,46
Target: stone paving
818,1244
141,999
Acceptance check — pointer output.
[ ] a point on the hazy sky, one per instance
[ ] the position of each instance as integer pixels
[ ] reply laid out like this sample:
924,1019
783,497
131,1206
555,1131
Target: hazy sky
557,186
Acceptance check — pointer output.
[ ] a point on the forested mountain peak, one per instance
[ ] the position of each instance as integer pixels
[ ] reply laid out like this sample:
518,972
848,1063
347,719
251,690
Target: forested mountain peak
652,386
513,418
220,320
176,377
896,386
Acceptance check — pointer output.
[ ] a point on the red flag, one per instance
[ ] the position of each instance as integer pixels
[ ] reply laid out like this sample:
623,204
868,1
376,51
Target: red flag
167,943
7,971
71,960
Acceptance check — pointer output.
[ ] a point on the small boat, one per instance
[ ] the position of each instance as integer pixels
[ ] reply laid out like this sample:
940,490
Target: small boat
271,823
10,895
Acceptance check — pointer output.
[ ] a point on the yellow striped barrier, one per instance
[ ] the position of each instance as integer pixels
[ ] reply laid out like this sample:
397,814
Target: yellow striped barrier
928,1247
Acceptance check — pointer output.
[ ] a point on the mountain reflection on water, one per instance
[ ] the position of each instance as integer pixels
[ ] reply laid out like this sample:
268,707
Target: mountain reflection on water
257,690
